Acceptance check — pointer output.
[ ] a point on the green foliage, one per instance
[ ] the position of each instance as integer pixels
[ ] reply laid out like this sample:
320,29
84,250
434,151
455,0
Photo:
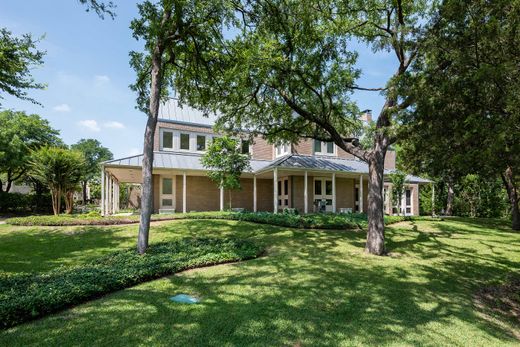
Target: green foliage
17,202
100,7
18,56
480,197
19,135
225,162
293,220
398,179
60,170
28,296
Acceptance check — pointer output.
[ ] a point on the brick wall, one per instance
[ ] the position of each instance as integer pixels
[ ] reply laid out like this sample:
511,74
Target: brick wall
262,149
304,147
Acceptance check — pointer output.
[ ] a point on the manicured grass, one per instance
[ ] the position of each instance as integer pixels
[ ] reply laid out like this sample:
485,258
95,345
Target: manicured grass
313,288
309,221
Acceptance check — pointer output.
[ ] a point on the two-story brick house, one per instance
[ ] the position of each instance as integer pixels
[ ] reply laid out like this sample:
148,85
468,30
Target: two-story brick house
309,176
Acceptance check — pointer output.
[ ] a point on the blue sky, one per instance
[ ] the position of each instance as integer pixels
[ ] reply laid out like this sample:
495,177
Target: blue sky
87,72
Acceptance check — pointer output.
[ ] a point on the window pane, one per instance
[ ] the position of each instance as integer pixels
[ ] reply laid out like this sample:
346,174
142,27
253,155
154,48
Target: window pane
408,197
185,141
328,187
330,147
317,187
245,147
317,146
167,139
167,186
201,143
286,187
167,202
280,188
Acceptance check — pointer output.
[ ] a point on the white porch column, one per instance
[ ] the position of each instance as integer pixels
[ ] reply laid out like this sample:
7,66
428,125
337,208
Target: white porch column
334,193
102,201
117,196
114,190
275,190
361,193
254,193
184,192
305,193
221,199
107,189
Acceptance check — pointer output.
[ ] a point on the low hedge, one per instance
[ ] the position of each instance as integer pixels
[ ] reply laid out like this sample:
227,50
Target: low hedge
27,296
309,221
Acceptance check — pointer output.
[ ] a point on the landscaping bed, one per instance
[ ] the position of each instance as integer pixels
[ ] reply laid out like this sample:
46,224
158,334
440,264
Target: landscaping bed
309,221
28,296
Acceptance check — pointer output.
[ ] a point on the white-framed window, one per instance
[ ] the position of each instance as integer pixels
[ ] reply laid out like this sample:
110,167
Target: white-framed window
167,189
201,143
282,149
324,148
283,192
184,141
166,139
245,146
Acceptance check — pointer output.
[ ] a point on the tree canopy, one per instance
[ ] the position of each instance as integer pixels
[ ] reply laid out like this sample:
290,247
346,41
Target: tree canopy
18,56
20,134
226,162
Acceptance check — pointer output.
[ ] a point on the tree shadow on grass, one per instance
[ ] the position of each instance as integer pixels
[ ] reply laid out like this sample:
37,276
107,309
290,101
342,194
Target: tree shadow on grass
314,288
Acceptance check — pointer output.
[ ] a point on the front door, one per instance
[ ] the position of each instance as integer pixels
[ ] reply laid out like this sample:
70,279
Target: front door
167,200
283,193
406,202
322,194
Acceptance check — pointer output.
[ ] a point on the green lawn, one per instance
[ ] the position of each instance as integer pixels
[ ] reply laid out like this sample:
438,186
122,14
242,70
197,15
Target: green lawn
313,288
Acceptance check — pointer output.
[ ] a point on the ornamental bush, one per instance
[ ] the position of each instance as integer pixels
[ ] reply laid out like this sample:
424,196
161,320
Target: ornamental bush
27,296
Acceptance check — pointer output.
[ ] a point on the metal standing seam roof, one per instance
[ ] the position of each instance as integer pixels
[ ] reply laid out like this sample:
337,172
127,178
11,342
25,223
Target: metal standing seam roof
191,161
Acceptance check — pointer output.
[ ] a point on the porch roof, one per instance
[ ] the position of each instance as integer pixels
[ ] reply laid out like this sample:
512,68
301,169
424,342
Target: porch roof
191,161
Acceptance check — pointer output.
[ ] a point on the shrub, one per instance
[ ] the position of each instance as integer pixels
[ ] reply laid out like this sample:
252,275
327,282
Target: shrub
28,296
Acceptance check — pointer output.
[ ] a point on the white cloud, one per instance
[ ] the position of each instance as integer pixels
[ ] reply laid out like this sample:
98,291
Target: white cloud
62,108
114,125
102,78
90,124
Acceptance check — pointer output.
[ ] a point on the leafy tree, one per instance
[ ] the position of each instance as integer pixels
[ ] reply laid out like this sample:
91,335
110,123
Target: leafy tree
289,72
18,55
467,79
175,32
59,169
101,8
225,162
19,135
94,155
398,179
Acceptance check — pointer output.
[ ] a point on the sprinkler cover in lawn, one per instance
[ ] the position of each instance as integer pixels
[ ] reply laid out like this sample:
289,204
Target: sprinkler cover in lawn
184,299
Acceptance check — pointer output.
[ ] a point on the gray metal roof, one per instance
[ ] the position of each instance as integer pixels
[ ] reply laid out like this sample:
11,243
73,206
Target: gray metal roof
191,161
172,110
175,160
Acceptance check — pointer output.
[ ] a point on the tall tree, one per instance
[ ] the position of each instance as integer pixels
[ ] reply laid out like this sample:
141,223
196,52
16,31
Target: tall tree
94,154
467,78
289,73
226,162
18,55
174,32
20,134
60,170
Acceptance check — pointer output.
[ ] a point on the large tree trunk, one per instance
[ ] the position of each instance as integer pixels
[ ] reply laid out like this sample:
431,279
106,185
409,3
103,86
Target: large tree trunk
451,196
8,186
376,226
147,190
1,187
512,193
84,189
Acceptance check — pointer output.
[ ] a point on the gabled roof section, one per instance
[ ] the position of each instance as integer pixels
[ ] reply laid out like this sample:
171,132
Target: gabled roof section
172,111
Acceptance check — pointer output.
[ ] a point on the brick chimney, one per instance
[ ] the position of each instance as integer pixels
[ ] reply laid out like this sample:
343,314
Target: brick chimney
366,116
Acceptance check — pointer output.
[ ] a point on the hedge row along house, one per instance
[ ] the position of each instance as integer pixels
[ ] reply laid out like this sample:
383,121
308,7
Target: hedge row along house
311,176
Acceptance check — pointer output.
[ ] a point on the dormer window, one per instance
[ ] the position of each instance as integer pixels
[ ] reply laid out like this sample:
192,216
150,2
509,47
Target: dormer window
184,142
244,146
282,149
167,140
324,148
201,143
